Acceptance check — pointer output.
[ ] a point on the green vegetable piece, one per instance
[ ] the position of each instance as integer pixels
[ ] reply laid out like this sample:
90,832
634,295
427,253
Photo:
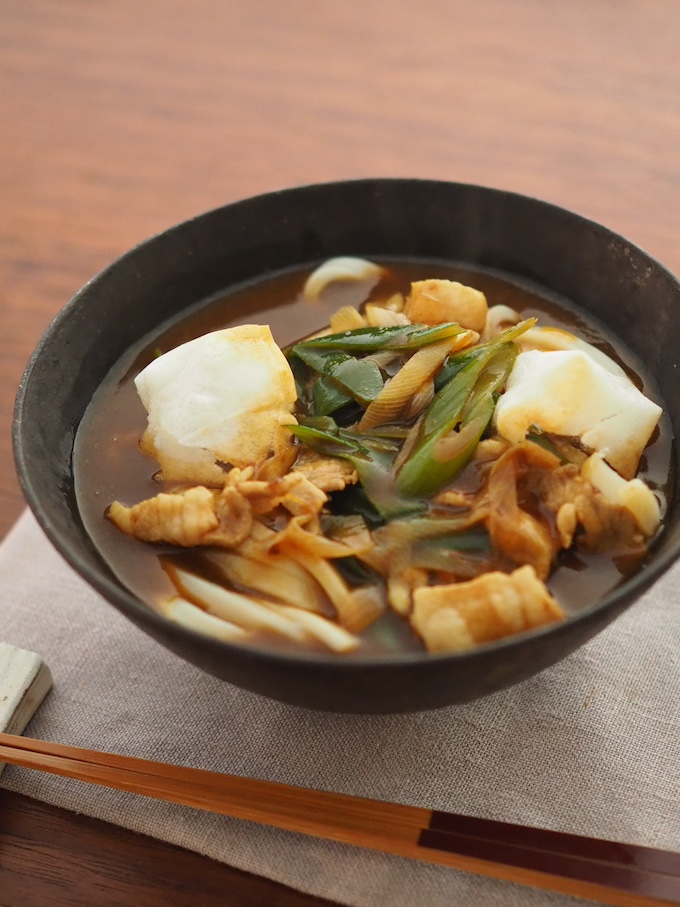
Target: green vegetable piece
445,409
450,430
454,423
423,529
330,445
457,362
355,572
439,543
474,540
537,436
361,378
328,396
372,459
354,500
465,555
322,362
513,333
323,423
367,340
377,480
302,374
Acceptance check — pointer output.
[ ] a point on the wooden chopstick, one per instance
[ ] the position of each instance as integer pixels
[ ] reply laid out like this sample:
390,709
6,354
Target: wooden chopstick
605,871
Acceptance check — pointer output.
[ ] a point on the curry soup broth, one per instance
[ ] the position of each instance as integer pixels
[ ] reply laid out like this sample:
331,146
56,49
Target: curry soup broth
109,465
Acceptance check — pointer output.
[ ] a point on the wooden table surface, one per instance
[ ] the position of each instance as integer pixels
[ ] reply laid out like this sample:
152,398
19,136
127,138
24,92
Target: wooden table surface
120,119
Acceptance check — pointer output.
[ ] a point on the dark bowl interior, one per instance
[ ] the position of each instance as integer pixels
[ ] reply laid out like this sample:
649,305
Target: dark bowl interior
565,253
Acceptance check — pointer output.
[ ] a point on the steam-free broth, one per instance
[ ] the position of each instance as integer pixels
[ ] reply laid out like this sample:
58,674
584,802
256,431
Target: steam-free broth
109,465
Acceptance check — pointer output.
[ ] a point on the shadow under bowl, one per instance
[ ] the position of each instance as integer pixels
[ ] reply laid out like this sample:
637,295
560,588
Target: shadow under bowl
594,268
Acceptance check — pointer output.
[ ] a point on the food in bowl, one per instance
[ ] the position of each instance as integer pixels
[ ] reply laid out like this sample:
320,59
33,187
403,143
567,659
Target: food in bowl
420,462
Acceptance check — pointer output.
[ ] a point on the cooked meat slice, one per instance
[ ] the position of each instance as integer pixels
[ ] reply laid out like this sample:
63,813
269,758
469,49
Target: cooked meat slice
235,516
327,473
521,537
201,516
539,506
302,497
460,616
607,527
293,491
186,518
518,533
197,516
634,494
585,517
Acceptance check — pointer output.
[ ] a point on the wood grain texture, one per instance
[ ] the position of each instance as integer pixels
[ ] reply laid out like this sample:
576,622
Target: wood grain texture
120,119
51,857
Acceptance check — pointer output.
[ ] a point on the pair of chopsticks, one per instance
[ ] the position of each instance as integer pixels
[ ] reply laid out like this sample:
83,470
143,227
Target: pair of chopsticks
605,871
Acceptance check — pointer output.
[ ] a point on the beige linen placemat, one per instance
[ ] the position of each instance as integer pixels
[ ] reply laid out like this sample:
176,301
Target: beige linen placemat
590,746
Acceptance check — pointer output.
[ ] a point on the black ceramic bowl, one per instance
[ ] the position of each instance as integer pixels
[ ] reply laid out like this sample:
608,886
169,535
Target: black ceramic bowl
601,272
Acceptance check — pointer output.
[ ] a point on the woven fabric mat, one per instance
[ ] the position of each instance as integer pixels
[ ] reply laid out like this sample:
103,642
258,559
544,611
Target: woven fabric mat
590,746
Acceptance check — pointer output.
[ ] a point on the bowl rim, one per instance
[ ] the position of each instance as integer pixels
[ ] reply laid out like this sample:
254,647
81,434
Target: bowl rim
116,593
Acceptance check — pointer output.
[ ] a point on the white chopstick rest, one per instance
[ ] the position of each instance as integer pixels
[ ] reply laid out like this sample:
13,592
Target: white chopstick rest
25,680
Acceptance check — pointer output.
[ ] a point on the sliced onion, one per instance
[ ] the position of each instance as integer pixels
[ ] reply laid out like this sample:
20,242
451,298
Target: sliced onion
347,319
397,393
379,317
295,536
456,441
384,358
396,303
420,400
